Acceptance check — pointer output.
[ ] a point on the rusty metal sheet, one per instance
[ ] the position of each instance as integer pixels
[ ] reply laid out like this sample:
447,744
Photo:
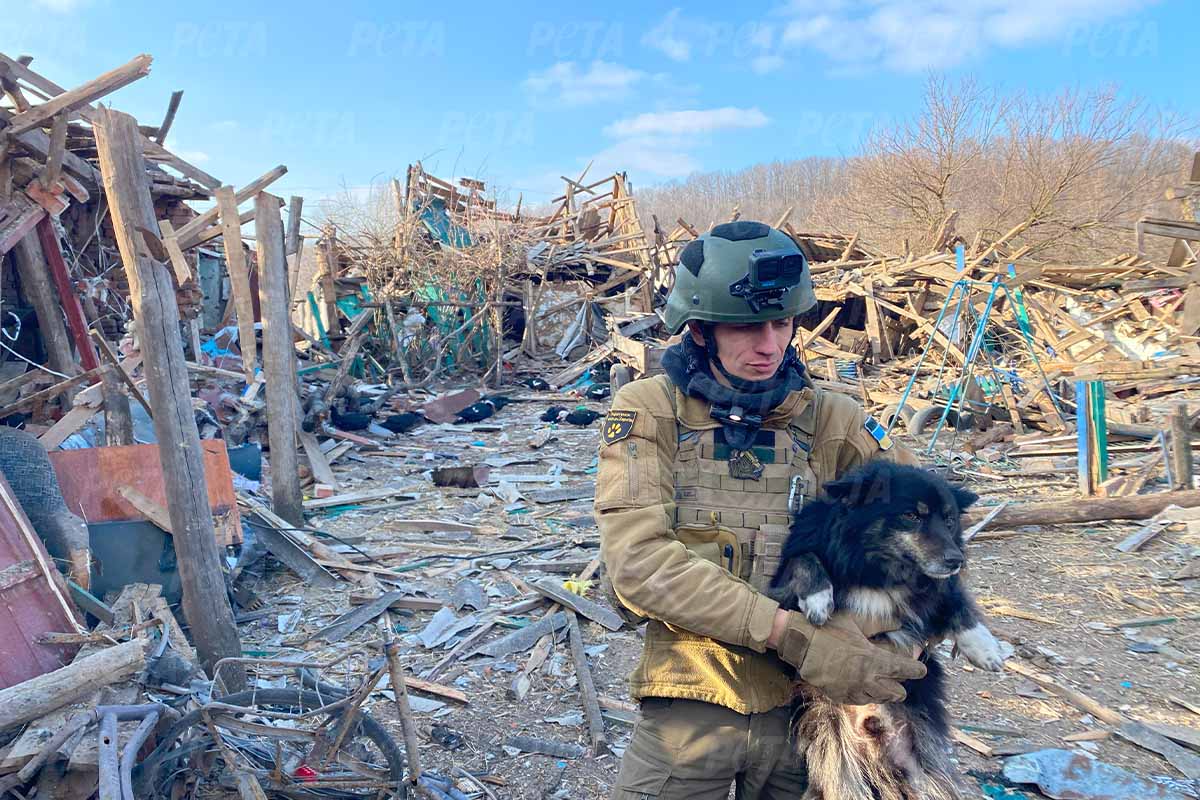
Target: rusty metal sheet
28,604
92,478
446,408
1071,775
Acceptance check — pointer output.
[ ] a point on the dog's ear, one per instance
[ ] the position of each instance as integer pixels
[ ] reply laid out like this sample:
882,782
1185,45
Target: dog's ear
844,490
964,497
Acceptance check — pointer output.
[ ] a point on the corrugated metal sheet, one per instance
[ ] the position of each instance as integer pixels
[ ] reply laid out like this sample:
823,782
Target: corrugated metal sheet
29,604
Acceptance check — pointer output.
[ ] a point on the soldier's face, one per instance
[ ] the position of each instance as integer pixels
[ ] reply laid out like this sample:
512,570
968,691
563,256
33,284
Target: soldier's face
752,352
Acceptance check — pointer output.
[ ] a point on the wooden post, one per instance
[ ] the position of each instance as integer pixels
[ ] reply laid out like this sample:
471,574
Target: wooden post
239,278
279,361
1181,448
36,286
152,293
118,420
327,266
293,247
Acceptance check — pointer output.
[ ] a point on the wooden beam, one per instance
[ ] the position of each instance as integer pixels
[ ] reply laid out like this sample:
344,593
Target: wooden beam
50,393
151,148
188,234
205,601
239,278
67,102
58,149
170,240
39,291
172,108
279,361
327,270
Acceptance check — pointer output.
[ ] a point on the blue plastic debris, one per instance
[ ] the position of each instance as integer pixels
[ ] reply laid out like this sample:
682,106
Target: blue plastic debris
995,791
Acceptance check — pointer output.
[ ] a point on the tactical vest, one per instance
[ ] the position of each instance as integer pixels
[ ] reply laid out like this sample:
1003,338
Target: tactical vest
742,523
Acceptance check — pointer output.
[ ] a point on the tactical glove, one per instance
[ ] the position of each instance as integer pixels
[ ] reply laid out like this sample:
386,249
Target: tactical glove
840,662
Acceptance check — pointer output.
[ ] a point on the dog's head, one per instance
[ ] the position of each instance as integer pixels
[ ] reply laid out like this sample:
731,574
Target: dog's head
906,515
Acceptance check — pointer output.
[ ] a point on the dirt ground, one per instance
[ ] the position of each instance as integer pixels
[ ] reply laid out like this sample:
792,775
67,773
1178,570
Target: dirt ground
1058,594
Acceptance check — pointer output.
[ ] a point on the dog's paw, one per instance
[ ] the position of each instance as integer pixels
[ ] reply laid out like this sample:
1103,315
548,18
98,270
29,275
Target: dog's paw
981,648
818,606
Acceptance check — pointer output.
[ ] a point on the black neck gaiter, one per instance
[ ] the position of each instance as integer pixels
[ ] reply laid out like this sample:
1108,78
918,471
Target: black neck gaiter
742,406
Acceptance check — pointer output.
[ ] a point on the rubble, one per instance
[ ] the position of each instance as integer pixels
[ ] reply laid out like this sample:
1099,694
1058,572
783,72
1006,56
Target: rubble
384,516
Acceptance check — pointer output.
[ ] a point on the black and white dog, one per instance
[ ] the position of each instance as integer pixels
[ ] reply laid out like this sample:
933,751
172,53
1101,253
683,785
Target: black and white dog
885,544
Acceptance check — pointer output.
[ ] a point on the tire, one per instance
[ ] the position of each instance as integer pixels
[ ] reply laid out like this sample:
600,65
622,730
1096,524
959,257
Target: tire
163,762
927,418
618,376
889,416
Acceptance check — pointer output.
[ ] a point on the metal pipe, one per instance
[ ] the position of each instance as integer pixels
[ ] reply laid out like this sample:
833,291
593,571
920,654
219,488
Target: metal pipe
130,753
110,777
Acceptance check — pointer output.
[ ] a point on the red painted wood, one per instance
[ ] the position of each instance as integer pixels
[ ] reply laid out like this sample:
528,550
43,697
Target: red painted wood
28,608
66,293
91,479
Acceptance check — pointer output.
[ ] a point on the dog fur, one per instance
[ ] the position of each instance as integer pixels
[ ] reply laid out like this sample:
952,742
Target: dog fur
885,543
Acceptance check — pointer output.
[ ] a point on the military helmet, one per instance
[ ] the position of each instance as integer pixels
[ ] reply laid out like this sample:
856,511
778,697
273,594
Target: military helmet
739,272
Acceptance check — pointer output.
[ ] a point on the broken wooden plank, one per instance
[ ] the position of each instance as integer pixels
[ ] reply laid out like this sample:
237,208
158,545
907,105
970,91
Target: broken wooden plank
351,498
587,686
239,278
183,272
153,511
317,462
188,235
72,100
38,696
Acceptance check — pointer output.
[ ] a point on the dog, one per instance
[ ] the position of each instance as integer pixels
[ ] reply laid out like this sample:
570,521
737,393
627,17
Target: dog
885,544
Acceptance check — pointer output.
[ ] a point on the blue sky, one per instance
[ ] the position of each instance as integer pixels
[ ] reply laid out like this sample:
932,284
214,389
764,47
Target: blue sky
517,94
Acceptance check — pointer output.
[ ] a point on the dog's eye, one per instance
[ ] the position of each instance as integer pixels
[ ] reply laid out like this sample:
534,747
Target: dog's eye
911,516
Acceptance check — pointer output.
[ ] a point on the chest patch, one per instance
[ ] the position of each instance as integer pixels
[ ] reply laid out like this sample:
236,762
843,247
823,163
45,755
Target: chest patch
618,425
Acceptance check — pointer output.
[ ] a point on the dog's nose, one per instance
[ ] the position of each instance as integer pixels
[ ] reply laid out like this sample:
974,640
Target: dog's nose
952,561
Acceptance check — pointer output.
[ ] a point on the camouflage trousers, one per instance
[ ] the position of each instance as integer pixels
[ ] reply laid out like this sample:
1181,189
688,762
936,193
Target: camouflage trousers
689,750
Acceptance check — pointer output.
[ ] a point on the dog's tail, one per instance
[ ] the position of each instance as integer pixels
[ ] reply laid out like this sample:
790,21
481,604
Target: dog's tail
871,753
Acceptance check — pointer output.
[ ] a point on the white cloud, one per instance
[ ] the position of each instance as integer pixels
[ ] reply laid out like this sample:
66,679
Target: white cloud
566,82
661,144
662,157
917,35
669,38
687,122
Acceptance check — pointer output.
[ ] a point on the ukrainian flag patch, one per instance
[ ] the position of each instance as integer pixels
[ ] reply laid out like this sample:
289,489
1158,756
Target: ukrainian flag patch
878,433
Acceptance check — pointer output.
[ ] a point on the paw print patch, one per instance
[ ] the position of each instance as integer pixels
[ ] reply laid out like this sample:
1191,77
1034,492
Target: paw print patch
618,425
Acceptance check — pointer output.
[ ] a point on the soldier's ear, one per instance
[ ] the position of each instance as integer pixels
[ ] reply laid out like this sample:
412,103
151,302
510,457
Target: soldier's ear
964,497
696,332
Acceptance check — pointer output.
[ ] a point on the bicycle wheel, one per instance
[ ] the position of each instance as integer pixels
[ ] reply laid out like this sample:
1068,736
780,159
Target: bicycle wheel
276,748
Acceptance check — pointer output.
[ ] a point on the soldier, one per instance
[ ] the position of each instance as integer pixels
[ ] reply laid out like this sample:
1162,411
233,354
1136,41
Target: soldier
699,470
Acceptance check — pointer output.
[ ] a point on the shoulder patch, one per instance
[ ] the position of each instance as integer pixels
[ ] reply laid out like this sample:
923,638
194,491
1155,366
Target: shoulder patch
878,433
618,425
